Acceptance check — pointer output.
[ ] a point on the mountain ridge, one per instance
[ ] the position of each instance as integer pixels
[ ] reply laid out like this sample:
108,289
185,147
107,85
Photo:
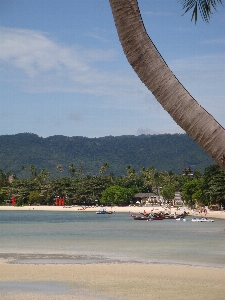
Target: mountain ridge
166,152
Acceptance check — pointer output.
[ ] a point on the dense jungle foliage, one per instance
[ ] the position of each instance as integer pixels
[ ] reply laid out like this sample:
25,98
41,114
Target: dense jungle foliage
80,189
165,152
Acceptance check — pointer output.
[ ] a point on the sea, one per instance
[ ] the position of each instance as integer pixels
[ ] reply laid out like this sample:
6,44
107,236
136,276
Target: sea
67,237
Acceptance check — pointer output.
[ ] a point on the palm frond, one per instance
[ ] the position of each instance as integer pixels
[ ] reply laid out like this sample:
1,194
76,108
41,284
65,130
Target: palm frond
205,7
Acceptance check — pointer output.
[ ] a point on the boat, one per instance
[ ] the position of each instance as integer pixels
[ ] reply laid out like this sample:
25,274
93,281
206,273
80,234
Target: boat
170,216
143,218
148,217
156,218
144,214
101,212
202,220
181,219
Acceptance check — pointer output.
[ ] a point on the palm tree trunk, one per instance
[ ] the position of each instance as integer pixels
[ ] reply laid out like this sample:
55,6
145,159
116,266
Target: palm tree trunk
160,80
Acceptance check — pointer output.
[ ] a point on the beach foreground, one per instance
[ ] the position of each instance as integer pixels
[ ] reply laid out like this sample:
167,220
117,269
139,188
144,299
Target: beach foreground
104,280
115,281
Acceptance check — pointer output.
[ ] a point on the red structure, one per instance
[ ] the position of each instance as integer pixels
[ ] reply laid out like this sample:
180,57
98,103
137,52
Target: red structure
60,201
57,201
13,201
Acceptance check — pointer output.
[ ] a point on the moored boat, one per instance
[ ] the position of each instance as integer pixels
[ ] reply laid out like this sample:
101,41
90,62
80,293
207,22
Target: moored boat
143,218
181,219
202,220
156,217
101,212
170,216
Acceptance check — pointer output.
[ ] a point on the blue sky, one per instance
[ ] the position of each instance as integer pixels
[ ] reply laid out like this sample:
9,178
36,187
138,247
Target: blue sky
63,71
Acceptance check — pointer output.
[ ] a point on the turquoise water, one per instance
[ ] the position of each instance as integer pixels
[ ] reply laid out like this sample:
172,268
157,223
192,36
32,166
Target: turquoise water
85,237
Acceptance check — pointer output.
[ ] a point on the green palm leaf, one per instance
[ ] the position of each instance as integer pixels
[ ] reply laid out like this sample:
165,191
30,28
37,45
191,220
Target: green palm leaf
205,7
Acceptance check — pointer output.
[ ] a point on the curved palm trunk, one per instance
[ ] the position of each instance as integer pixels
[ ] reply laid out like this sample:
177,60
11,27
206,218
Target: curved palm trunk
160,80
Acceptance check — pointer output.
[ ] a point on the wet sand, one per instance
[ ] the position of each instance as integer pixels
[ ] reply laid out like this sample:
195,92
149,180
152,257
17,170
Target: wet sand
115,281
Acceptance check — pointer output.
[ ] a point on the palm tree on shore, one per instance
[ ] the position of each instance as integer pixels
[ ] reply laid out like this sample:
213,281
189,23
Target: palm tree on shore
72,171
104,168
153,71
59,168
33,171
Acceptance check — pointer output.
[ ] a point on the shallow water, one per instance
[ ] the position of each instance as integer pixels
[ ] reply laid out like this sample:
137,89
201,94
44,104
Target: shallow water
86,237
49,288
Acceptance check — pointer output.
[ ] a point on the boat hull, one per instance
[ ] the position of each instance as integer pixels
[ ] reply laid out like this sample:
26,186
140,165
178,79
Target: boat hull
141,218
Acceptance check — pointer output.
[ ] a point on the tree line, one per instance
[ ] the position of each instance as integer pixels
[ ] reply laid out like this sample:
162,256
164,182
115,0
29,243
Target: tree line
39,188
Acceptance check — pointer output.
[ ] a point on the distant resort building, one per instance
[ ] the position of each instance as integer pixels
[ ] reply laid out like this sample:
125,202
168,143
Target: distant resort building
147,199
178,199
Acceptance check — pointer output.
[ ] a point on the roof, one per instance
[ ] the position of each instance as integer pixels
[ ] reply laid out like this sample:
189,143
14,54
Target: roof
144,195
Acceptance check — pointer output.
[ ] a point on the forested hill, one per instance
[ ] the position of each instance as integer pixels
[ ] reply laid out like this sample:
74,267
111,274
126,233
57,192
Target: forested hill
165,152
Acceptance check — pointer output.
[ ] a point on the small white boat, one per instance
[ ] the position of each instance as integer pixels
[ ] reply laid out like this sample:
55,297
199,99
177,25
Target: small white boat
202,220
101,212
181,219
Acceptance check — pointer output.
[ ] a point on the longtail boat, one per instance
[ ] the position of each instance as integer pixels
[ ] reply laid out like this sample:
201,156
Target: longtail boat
143,218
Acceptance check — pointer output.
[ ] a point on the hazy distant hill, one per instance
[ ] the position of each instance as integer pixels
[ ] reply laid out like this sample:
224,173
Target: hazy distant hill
165,152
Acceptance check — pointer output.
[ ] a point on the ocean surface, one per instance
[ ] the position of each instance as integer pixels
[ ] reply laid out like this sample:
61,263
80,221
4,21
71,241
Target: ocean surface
86,237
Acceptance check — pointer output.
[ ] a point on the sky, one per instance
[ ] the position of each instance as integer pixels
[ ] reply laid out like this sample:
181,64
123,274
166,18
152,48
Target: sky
63,70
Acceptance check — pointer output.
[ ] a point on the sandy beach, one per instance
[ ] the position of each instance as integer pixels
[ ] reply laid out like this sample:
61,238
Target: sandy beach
119,281
124,209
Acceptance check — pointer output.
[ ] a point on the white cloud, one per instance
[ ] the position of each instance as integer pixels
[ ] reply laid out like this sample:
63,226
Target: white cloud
43,65
33,53
38,64
146,131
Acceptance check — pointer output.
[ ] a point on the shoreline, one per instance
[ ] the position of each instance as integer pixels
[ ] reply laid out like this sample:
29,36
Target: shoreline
119,209
84,259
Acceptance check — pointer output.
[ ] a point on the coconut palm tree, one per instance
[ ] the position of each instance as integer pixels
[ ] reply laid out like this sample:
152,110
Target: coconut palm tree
59,168
104,168
72,171
33,171
160,80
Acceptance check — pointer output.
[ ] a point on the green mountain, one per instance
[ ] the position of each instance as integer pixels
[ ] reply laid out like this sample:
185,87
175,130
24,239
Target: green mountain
166,152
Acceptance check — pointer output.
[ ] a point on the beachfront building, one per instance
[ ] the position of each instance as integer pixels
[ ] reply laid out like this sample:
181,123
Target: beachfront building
178,199
147,199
